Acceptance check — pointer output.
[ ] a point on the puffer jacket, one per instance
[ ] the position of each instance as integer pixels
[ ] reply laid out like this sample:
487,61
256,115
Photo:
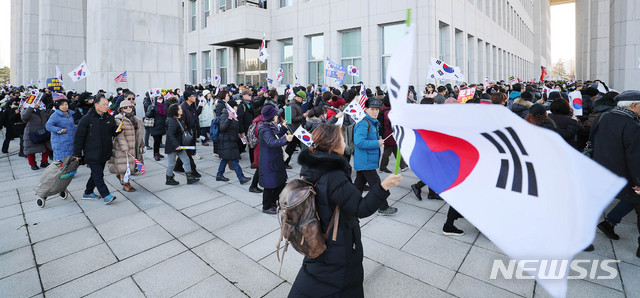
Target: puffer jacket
521,107
35,120
338,271
61,143
228,143
365,137
131,139
271,163
208,113
93,138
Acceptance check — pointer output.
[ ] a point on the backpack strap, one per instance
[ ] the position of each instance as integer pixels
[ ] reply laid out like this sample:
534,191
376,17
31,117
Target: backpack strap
334,224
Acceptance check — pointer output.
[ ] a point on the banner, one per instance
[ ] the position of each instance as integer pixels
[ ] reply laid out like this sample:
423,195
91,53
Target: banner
32,100
336,71
54,84
466,94
512,80
575,101
80,73
280,75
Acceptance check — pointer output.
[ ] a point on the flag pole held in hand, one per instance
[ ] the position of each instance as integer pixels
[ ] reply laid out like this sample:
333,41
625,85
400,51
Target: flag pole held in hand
398,159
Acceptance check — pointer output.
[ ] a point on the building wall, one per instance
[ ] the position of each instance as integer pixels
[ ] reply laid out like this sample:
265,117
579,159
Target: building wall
16,43
506,28
30,42
583,38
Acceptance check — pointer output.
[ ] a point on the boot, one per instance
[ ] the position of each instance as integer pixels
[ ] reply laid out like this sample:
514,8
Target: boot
128,188
171,181
156,157
191,179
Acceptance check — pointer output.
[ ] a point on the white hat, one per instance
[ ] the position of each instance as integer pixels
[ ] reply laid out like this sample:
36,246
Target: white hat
205,92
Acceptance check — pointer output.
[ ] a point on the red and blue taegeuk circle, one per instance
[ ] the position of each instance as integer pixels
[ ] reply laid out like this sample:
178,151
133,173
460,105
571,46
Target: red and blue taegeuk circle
446,68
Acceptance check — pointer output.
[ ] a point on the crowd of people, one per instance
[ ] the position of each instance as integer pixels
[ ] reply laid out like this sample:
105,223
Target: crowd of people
100,130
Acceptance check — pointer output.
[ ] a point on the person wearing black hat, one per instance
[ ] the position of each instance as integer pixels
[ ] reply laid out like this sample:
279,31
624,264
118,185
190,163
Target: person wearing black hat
366,138
190,117
589,95
538,116
616,146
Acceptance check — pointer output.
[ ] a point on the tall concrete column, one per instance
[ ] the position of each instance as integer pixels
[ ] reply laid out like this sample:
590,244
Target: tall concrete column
599,43
583,39
16,42
542,33
30,42
625,45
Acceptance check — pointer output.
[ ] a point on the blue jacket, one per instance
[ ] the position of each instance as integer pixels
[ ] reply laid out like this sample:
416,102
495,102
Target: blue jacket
61,144
512,97
365,137
271,162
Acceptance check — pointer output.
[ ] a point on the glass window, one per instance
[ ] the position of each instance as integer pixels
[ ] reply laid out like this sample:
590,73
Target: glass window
222,5
222,65
287,60
459,49
315,57
391,36
194,69
351,52
193,15
207,11
444,41
206,58
470,61
250,70
285,3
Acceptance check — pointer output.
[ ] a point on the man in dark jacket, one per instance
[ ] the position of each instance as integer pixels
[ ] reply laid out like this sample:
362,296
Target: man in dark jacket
190,118
297,118
93,140
616,146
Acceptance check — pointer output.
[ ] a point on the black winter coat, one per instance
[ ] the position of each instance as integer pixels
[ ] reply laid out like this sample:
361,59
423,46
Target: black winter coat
190,118
245,116
94,137
338,271
616,146
160,123
567,127
228,143
271,162
297,117
174,134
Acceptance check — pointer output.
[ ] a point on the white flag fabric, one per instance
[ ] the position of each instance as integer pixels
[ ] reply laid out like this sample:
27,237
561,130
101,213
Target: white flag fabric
439,70
575,101
59,74
81,72
353,71
231,111
355,111
602,89
303,135
521,185
263,49
295,80
486,81
279,75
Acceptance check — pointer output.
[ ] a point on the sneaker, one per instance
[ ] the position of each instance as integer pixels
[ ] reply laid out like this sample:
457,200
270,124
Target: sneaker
606,228
35,167
108,199
44,164
416,191
385,170
255,189
91,196
404,169
222,178
452,231
197,156
388,211
271,210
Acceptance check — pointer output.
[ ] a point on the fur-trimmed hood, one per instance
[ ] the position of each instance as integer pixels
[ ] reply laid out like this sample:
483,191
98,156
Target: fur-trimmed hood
522,102
316,164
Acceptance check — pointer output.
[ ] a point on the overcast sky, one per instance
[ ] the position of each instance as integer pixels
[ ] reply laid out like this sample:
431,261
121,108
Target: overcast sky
563,22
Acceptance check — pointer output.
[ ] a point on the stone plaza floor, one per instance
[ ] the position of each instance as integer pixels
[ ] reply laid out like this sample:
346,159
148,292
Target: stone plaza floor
211,239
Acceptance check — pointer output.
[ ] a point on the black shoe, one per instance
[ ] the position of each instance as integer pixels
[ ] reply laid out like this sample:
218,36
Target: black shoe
417,191
385,170
255,189
44,164
366,188
638,252
171,181
196,174
590,248
190,178
160,155
156,157
222,178
288,167
452,231
21,154
607,229
244,180
3,151
34,167
434,196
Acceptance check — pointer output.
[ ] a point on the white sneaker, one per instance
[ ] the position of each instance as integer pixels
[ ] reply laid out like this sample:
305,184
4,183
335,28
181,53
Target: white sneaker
197,156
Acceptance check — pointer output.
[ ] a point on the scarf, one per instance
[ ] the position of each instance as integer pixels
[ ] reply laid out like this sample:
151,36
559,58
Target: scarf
625,112
132,118
161,110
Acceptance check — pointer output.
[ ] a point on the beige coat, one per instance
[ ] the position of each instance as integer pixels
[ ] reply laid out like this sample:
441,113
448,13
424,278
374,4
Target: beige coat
129,139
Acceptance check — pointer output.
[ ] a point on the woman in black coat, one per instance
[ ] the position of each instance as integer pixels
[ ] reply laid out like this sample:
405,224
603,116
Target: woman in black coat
158,111
175,131
568,125
273,174
338,271
228,149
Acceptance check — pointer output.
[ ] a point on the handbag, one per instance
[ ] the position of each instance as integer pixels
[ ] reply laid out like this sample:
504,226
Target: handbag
149,122
187,138
39,136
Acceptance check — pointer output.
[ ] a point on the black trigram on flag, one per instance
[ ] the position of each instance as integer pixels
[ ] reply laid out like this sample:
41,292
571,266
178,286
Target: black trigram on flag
513,157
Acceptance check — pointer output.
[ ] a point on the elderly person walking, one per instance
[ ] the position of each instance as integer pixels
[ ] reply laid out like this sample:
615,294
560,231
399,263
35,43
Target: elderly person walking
127,145
62,128
36,137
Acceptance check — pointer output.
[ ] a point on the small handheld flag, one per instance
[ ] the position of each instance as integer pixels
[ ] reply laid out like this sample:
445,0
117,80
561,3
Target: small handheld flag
121,78
304,136
353,71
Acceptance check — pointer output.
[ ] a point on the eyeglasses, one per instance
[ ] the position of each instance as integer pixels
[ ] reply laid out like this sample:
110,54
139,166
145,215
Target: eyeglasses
128,108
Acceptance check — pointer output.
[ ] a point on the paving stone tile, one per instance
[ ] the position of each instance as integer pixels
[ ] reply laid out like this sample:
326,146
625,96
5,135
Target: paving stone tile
117,209
582,288
433,205
387,282
51,202
249,229
9,197
118,271
214,286
615,283
478,264
75,265
58,227
290,266
425,271
144,199
411,215
123,288
630,276
12,224
196,238
16,261
437,248
183,197
172,220
23,284
10,211
487,244
139,241
217,254
66,244
207,206
18,238
225,215
389,232
466,286
262,247
370,268
626,247
48,214
124,225
173,275
241,193
281,291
